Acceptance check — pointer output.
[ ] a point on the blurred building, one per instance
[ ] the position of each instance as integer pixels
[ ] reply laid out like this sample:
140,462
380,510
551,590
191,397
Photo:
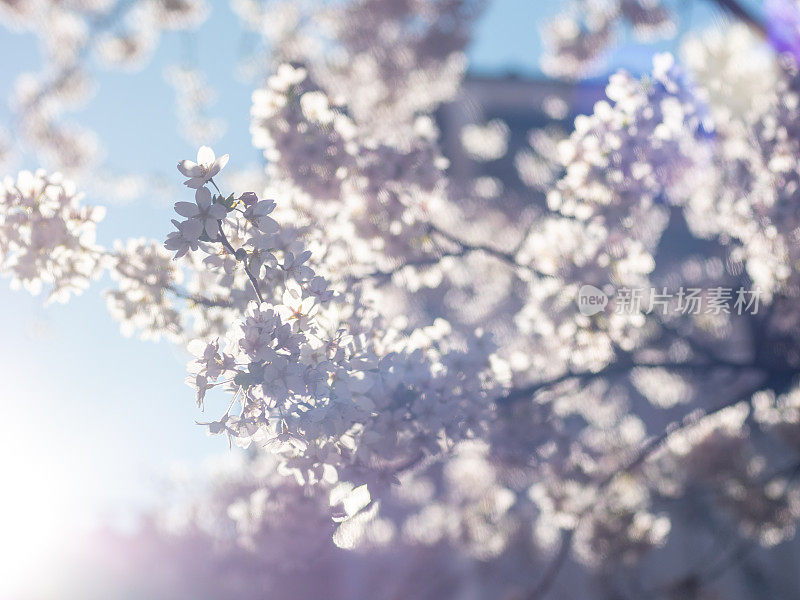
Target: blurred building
524,105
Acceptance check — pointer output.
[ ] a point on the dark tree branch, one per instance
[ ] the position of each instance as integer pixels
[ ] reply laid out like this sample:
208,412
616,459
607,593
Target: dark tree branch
554,568
646,451
171,288
617,368
463,248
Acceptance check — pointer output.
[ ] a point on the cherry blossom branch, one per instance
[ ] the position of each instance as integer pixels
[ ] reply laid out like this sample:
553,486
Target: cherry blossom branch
739,553
426,261
173,289
655,443
688,420
554,568
230,249
467,247
696,346
464,248
100,25
616,368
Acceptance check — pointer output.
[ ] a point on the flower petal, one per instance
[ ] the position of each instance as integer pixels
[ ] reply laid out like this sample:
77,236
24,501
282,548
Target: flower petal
205,156
195,183
267,225
210,225
203,197
218,211
191,230
189,168
186,209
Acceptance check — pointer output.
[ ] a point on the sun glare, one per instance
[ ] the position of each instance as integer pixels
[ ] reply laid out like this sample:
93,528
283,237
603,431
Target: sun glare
40,516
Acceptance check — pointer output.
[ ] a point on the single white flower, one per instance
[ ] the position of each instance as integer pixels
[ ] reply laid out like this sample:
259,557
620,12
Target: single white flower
318,288
200,172
203,210
297,310
294,268
185,238
257,213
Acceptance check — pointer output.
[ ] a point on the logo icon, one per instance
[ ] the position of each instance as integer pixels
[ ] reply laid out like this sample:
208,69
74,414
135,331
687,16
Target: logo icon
591,300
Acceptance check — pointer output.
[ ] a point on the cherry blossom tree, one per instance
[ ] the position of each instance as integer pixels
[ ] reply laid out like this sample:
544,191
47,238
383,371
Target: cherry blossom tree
427,407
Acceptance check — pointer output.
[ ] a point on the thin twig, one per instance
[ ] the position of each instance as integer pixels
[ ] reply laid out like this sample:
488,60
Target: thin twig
230,249
554,568
617,368
641,456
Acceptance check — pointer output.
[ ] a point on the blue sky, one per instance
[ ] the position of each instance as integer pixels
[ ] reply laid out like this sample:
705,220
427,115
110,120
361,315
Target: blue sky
112,412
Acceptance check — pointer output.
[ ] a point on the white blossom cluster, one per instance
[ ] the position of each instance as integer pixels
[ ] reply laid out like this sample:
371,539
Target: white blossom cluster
780,414
397,59
386,320
387,60
639,153
47,238
749,197
382,191
716,453
579,37
145,272
317,377
621,165
122,34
